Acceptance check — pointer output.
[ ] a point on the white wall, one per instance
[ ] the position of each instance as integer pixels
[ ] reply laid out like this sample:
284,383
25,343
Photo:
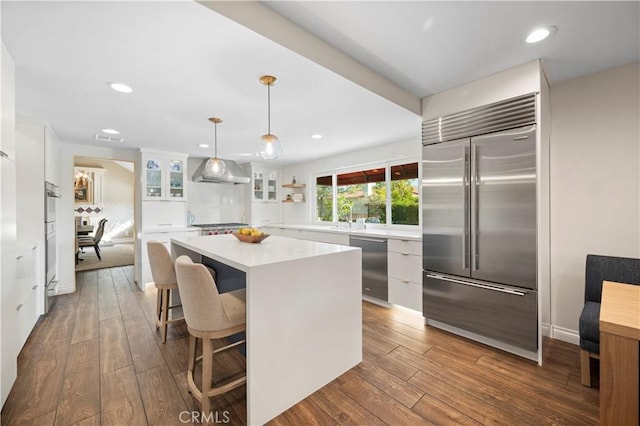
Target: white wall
118,188
65,217
301,213
214,202
595,182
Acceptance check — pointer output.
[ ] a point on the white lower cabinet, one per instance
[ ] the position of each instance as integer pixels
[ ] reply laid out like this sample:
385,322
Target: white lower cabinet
27,281
405,293
165,238
404,262
405,273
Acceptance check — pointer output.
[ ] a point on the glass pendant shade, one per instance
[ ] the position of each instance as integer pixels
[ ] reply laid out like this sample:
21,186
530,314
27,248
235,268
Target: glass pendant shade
215,166
269,147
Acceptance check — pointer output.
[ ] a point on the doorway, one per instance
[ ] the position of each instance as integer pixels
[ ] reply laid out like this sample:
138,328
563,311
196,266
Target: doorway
104,211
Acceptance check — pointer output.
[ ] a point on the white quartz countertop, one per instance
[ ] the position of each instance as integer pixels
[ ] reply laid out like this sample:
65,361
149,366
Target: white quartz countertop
170,229
371,232
244,256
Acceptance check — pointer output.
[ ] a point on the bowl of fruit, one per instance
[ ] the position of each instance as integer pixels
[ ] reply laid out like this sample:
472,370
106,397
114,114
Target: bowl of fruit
250,235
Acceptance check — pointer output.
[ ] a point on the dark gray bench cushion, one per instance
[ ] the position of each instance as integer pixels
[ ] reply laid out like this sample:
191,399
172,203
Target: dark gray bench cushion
599,269
589,322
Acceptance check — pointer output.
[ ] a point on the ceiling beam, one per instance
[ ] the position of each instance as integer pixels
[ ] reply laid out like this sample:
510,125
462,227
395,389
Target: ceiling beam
265,21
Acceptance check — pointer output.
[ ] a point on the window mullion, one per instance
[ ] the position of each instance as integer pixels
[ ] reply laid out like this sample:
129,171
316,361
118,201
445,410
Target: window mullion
387,181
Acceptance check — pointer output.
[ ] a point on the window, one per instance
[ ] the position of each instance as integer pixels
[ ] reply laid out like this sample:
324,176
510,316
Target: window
324,198
405,194
363,194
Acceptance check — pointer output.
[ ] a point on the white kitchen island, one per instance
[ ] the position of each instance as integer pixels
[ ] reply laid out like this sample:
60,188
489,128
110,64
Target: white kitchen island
304,313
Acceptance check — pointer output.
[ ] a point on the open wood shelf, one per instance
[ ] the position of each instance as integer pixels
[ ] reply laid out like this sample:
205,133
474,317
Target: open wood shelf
294,185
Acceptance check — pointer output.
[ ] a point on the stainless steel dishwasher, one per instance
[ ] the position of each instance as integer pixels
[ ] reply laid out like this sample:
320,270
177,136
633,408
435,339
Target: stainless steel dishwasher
374,265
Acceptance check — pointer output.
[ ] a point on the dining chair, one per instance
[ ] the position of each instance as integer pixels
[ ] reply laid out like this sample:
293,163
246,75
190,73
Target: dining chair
93,241
209,316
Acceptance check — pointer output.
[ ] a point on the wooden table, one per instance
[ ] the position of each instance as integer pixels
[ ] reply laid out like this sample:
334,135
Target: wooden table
619,354
84,229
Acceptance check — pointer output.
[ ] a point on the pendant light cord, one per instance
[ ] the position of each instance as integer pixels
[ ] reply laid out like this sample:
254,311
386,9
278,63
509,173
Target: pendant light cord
269,108
215,145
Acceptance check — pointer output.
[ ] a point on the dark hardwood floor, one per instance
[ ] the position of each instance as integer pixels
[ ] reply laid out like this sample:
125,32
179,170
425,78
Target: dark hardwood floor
97,359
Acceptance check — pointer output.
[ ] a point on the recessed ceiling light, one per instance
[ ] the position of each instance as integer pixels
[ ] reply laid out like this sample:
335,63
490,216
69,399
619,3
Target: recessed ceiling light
316,136
540,34
110,131
121,87
203,145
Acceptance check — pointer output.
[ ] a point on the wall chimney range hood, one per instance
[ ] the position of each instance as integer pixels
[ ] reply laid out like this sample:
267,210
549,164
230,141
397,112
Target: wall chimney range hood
234,174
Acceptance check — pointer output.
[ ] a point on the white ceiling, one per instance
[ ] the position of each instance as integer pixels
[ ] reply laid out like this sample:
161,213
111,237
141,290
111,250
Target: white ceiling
427,47
187,63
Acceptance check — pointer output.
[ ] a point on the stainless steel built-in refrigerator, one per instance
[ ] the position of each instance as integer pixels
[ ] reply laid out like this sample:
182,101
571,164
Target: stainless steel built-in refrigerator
479,235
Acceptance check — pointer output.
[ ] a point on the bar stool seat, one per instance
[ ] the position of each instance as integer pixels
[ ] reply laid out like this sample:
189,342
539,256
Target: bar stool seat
209,315
164,279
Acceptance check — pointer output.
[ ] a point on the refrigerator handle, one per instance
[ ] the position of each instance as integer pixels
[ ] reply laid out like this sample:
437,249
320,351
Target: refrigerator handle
465,195
482,286
475,213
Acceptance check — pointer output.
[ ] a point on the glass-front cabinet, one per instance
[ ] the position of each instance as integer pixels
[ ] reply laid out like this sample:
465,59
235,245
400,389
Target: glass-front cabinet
163,177
265,184
176,179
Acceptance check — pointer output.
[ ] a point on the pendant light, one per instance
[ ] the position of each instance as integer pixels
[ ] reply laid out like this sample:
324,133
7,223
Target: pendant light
269,147
215,166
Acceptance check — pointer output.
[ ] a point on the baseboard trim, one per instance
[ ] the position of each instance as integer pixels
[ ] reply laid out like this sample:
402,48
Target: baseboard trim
65,289
376,301
546,329
565,334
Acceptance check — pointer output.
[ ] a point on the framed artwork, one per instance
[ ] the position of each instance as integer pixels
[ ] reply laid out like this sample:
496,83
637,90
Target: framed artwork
83,186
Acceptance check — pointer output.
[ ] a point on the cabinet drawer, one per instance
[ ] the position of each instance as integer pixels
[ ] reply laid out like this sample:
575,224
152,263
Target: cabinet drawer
505,314
405,293
406,267
163,237
405,246
158,214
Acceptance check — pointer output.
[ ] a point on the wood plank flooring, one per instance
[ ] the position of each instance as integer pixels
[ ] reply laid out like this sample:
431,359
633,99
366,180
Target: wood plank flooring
97,359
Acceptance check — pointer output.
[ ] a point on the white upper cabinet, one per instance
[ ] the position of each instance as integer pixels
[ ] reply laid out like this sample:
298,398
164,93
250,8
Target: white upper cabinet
164,176
264,184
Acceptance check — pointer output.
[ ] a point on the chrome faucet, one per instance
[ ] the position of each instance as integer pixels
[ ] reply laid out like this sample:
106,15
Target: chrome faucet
349,209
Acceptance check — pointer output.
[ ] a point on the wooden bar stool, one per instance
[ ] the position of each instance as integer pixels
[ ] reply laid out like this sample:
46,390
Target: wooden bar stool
164,279
209,315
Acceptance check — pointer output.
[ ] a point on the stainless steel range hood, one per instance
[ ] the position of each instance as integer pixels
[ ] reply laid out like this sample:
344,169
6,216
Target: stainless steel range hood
233,174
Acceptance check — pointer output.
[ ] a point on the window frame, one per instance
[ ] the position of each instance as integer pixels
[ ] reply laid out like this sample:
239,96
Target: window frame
387,165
